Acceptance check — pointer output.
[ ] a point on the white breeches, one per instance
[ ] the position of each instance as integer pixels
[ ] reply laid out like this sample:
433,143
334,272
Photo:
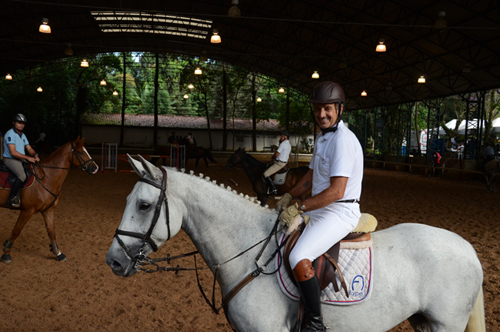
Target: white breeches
326,227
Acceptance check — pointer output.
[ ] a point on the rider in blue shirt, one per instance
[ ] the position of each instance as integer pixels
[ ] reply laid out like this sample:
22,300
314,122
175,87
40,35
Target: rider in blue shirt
15,147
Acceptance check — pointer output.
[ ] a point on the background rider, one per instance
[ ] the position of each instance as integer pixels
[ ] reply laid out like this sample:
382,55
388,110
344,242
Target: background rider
279,160
15,147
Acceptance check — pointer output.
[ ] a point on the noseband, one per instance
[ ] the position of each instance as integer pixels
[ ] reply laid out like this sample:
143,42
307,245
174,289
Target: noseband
82,162
146,238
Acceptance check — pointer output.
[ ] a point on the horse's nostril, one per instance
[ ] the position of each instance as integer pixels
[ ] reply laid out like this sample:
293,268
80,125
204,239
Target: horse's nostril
116,266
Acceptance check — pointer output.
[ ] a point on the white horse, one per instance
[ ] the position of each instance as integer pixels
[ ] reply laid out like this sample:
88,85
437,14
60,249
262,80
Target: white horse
430,276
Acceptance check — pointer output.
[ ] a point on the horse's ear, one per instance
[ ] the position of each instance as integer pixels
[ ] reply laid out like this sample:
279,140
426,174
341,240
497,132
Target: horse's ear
137,166
151,169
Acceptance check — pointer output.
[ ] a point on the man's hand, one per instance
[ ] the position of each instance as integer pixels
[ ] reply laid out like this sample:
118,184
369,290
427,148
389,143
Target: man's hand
288,216
283,202
291,218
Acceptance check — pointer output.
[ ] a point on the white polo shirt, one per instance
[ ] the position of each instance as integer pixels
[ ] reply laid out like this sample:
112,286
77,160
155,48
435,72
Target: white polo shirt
284,150
338,153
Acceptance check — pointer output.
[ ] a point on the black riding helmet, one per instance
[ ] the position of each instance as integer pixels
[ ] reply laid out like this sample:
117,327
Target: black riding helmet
328,93
19,118
286,133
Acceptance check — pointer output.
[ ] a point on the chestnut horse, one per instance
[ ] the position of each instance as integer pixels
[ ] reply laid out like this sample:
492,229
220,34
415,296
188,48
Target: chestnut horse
44,195
254,170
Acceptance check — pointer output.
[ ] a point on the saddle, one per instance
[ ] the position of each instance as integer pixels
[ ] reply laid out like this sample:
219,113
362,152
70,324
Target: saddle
7,178
326,264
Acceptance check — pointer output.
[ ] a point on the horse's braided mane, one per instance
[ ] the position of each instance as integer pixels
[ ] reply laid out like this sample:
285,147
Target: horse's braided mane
228,188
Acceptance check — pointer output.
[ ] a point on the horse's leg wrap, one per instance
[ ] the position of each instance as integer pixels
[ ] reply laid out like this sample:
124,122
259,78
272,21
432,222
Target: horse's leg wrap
55,250
7,246
6,258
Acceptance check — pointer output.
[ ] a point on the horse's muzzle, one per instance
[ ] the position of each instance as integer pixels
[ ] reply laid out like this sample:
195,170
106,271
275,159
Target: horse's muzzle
121,269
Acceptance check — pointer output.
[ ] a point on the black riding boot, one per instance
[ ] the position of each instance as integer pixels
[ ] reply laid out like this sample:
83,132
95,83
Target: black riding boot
272,188
310,294
14,200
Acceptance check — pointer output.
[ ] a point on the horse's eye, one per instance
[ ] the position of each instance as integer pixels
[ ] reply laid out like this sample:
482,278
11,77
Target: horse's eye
144,206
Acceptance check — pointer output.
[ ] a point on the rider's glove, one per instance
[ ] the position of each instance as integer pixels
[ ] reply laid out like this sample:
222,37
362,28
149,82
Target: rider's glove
283,202
291,218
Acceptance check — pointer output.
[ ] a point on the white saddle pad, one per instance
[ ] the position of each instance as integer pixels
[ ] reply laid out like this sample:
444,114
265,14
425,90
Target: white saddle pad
279,179
356,266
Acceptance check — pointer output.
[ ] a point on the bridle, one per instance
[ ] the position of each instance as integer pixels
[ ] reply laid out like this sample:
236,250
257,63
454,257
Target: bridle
83,163
83,167
146,237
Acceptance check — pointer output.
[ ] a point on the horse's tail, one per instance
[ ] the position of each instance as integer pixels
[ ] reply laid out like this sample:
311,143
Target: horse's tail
209,155
476,319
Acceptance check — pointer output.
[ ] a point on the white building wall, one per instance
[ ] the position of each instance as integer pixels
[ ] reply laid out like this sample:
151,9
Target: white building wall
142,137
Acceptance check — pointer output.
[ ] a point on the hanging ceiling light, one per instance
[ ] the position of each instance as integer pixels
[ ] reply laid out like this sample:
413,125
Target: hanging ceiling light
190,86
421,79
103,82
39,89
281,90
380,47
198,71
364,94
215,39
68,50
467,68
115,93
186,96
84,63
441,21
8,77
45,27
259,99
315,75
234,11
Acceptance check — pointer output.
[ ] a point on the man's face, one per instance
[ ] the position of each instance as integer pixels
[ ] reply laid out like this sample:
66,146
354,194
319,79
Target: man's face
19,125
325,115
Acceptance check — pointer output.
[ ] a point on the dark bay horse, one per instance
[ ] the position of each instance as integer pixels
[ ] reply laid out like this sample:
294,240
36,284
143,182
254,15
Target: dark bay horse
491,169
192,152
254,170
44,195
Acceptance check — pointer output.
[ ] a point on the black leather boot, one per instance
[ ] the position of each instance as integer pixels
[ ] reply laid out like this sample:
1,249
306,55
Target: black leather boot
14,200
310,294
272,188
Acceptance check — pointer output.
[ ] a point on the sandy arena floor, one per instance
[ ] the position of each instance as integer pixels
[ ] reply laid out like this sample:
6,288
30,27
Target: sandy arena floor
82,294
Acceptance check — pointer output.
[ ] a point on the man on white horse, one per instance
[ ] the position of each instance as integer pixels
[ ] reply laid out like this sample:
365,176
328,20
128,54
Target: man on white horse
335,175
279,159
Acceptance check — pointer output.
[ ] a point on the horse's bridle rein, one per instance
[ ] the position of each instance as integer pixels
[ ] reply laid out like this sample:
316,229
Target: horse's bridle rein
83,166
141,258
146,237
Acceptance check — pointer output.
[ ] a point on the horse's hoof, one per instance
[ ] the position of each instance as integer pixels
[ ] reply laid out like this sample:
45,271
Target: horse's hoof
6,259
61,258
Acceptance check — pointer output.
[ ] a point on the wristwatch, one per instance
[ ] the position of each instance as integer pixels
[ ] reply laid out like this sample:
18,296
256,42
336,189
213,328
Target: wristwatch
303,208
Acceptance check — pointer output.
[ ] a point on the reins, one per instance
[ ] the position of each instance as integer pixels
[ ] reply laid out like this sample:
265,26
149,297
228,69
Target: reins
83,166
140,260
